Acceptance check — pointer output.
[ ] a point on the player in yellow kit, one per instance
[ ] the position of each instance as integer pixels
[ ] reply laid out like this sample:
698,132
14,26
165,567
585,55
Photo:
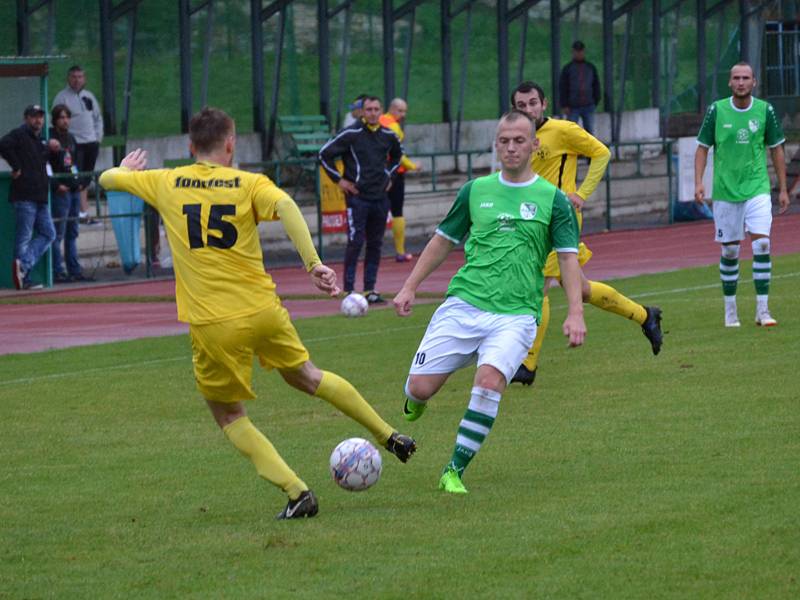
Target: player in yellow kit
393,120
560,144
211,212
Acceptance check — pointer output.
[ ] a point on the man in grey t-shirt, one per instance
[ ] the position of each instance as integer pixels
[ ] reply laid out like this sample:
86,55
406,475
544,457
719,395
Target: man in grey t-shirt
86,125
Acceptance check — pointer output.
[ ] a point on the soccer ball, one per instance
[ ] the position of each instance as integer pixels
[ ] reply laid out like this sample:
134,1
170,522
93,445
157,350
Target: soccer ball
355,464
354,305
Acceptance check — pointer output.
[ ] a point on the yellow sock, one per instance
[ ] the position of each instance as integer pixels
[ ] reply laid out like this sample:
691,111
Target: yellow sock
341,393
605,297
399,232
532,361
269,464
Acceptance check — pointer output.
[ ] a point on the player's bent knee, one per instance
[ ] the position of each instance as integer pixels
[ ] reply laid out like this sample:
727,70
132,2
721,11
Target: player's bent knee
422,387
760,245
730,250
306,378
225,413
490,378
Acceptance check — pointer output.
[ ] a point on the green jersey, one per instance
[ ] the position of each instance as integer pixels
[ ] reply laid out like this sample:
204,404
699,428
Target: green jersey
739,136
512,227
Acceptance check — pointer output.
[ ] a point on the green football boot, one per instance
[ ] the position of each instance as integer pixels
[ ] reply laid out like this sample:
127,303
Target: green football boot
413,410
451,482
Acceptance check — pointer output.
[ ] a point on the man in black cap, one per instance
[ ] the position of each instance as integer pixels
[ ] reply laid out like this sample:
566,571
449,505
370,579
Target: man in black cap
579,88
27,153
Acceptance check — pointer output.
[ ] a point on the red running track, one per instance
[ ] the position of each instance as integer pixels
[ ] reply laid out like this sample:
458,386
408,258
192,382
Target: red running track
36,327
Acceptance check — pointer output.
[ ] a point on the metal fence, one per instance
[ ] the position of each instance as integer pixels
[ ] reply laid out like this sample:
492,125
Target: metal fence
631,162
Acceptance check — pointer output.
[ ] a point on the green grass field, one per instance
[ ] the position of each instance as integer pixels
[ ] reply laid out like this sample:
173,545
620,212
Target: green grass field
619,475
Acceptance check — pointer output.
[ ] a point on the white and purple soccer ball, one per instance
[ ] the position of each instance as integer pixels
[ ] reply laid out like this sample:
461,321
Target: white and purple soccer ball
354,305
356,464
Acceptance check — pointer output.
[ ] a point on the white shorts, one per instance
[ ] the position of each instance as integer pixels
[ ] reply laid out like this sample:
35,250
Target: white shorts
732,219
459,334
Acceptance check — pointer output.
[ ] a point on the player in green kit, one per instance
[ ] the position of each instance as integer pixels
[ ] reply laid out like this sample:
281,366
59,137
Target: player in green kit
513,218
740,128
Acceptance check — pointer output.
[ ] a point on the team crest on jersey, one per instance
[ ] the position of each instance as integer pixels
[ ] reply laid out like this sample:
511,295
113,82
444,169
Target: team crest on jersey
505,222
543,153
753,125
743,136
527,211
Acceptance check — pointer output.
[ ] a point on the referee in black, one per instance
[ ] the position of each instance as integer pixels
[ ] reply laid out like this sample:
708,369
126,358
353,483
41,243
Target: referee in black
371,154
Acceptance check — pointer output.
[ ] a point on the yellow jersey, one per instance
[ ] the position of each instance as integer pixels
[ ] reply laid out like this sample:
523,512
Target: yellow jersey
561,142
387,120
210,214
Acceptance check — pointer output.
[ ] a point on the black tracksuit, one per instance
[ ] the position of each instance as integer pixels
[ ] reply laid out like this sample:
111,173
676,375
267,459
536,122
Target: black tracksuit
27,152
63,161
371,158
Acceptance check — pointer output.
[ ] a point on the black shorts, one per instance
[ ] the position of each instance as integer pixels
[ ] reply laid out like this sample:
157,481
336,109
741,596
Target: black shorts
397,194
86,158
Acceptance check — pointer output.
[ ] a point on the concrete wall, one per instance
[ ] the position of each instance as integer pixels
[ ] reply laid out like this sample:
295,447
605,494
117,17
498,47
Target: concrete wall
429,137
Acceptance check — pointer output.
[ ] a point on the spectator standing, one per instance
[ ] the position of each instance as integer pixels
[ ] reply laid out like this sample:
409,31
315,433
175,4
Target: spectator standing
66,200
371,156
579,88
27,153
394,120
356,111
86,126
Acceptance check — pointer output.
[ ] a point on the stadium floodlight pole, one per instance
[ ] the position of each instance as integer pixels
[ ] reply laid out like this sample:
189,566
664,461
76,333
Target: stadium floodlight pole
390,16
505,17
446,52
608,62
24,13
656,52
257,55
555,53
502,55
701,56
323,46
107,58
388,51
185,46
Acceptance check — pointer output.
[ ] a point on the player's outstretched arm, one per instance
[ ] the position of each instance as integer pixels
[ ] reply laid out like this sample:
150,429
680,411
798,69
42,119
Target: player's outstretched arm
432,256
574,325
131,177
135,161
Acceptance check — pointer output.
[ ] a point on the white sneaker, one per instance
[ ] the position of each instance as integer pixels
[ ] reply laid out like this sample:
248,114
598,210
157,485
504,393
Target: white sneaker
764,319
731,317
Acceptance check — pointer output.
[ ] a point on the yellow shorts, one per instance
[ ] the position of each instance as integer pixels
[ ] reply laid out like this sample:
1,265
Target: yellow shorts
551,265
222,353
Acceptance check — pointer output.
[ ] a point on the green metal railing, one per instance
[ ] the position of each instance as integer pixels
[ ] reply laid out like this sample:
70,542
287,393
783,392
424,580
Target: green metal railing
303,172
103,215
666,149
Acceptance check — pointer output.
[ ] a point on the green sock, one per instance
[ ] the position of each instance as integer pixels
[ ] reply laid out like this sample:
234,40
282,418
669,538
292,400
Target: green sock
762,266
474,427
729,268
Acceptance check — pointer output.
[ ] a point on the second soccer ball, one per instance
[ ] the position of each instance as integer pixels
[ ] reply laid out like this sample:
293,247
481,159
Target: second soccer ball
354,305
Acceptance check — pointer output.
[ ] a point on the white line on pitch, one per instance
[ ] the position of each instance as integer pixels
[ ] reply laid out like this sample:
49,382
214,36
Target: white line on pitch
342,335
